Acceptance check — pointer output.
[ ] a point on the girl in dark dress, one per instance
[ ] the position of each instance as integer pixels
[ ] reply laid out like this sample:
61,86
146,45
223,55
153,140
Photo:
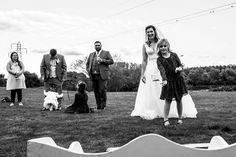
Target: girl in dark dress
173,82
80,104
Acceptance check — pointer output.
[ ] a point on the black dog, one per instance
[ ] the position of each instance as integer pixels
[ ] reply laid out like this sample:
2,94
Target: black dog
6,99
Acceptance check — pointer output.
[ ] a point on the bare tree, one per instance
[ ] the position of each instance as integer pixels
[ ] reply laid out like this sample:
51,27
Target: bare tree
79,66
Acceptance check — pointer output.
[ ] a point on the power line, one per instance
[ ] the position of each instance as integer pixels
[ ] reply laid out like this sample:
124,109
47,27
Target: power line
174,20
129,9
198,14
121,3
117,5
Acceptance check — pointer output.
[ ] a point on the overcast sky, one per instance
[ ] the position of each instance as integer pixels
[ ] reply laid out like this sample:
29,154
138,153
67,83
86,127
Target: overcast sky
72,26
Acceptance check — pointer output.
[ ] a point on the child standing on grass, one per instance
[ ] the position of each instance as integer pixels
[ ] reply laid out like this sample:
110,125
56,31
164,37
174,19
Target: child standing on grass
174,86
80,104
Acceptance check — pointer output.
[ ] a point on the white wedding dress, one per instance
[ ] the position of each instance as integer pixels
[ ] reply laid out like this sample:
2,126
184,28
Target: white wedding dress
148,104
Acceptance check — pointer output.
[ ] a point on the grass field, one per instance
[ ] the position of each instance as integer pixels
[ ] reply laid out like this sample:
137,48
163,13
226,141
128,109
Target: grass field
111,127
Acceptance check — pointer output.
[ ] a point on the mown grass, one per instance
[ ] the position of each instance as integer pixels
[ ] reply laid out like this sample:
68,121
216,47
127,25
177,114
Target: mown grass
111,127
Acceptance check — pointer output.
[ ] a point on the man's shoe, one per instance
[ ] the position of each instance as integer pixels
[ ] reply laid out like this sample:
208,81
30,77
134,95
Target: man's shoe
12,104
103,105
20,104
99,107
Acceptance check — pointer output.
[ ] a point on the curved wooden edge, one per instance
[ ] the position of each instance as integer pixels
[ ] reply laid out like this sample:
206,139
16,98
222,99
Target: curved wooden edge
150,145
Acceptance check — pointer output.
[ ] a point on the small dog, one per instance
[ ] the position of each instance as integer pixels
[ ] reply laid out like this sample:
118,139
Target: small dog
6,99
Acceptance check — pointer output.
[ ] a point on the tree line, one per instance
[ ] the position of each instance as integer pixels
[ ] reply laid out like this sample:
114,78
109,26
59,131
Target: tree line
31,80
126,76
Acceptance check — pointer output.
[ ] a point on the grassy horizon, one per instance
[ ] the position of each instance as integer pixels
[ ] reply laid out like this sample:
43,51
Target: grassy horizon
113,126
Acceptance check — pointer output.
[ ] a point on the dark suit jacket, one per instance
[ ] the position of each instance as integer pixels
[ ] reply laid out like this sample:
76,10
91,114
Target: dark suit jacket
103,66
61,68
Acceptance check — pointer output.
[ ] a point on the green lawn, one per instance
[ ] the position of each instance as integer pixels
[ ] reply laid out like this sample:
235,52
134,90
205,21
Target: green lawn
111,127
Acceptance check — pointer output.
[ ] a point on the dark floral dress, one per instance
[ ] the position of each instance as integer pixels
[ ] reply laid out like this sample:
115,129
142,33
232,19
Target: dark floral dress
176,86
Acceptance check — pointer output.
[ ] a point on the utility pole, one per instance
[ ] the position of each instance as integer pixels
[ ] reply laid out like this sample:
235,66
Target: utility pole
18,49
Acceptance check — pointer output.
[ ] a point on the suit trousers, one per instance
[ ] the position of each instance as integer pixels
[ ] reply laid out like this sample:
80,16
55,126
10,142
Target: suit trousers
100,90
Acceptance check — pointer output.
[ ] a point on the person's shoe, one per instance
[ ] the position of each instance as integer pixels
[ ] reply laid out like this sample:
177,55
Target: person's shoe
166,123
12,104
51,108
180,121
59,109
20,104
92,109
103,105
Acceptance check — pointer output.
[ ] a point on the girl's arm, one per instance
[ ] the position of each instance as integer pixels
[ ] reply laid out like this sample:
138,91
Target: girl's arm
76,100
179,64
144,64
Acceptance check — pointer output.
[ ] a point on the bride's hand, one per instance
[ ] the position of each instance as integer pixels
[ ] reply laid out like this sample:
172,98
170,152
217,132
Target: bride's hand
143,79
164,83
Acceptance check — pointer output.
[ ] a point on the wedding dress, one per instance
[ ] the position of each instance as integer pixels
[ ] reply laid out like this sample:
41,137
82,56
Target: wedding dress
148,104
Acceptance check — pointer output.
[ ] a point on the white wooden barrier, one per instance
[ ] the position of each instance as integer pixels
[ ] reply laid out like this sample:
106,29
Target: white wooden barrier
149,145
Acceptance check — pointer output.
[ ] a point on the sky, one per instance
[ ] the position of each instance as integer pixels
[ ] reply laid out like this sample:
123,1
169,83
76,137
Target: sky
72,27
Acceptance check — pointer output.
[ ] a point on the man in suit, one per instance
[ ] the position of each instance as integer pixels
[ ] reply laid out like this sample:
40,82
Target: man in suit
97,67
53,71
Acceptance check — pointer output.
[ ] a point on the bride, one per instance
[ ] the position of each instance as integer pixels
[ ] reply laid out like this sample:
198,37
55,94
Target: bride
148,104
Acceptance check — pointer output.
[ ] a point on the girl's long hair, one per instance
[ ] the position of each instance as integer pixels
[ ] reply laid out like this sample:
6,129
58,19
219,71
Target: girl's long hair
81,86
161,42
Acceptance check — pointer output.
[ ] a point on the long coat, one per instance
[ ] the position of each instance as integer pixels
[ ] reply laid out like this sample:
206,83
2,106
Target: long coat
103,66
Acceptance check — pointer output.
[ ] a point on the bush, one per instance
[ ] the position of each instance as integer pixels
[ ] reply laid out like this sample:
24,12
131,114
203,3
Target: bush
198,87
3,82
32,80
223,88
